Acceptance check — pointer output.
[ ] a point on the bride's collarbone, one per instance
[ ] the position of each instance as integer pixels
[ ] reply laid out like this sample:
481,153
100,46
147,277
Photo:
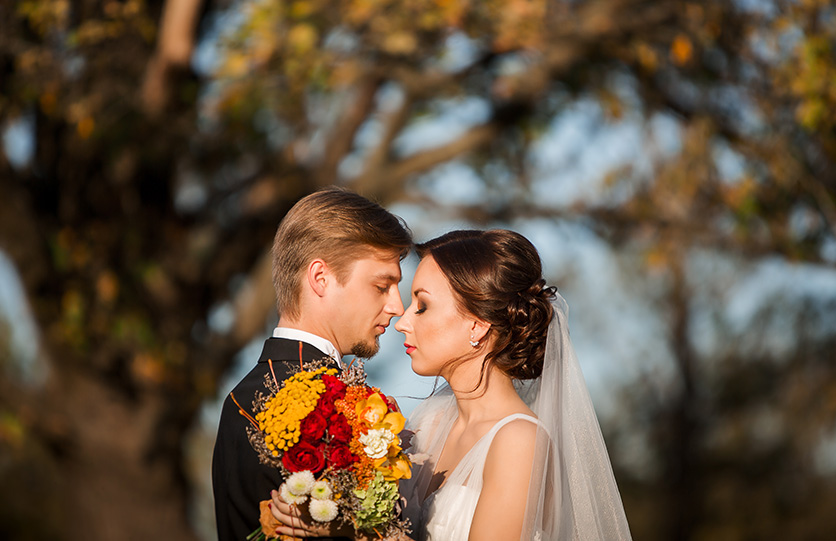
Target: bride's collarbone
462,438
459,442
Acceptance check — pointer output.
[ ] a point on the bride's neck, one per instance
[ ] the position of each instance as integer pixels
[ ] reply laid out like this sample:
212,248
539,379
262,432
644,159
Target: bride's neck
486,399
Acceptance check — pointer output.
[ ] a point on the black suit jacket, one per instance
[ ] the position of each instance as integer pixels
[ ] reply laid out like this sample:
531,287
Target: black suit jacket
239,481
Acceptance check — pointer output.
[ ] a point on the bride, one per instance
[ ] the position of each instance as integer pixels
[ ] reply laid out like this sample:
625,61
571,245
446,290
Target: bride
512,445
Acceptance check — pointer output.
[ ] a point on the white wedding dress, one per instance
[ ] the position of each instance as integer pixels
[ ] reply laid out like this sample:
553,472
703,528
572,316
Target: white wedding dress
449,510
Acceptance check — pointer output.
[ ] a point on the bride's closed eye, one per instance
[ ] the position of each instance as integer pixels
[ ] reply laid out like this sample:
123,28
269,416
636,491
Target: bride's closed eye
421,309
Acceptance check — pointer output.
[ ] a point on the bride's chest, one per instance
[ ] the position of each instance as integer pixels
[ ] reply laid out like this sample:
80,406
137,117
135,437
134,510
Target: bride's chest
457,448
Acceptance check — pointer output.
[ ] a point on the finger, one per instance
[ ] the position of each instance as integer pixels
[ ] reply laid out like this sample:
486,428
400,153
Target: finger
303,520
284,518
293,517
292,526
293,532
280,503
297,528
285,513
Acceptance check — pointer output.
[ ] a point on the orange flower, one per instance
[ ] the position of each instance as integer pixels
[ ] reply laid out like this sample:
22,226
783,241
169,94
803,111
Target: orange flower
395,466
374,411
394,421
349,407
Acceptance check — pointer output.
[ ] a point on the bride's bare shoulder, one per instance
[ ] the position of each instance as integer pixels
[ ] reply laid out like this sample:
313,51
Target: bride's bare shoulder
502,501
513,443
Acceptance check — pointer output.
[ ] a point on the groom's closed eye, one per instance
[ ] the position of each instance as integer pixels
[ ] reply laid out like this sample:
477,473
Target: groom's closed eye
386,278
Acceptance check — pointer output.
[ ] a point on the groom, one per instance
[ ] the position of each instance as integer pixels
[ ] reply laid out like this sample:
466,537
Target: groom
336,268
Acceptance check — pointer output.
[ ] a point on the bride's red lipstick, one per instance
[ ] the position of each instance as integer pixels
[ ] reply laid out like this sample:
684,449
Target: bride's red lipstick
409,349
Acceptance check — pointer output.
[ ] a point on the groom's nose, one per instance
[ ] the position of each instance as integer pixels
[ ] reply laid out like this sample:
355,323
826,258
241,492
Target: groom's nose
394,305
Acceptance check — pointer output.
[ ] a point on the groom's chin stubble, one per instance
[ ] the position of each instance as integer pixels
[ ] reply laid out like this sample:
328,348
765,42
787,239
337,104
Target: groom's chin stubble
365,350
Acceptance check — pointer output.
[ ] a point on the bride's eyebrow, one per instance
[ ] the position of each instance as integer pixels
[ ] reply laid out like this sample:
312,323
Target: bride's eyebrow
420,290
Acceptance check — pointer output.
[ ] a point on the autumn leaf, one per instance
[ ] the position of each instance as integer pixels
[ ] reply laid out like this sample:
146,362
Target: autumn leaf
681,50
302,37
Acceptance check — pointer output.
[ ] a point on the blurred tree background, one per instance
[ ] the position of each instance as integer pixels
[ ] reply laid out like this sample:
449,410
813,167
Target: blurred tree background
152,147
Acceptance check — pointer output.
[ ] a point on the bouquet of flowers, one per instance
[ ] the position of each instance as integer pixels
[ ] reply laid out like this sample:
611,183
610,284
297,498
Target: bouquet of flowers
335,440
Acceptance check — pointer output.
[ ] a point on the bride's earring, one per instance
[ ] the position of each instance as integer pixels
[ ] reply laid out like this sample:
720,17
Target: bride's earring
474,343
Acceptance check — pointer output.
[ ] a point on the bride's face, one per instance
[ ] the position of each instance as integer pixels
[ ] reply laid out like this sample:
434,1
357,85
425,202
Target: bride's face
435,330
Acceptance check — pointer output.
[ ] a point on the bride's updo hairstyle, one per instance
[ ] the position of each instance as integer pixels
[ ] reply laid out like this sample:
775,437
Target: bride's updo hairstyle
496,276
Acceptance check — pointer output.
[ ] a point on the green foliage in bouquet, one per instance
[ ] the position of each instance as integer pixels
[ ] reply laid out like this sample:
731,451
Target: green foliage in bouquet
377,503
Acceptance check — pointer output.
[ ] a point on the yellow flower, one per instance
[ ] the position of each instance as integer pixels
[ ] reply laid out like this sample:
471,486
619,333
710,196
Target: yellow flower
395,466
394,421
374,410
283,413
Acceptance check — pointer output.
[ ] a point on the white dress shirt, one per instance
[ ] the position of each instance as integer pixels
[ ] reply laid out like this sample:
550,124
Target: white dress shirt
318,342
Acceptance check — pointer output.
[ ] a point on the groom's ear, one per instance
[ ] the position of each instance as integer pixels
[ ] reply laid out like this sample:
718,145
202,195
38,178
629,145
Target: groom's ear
318,276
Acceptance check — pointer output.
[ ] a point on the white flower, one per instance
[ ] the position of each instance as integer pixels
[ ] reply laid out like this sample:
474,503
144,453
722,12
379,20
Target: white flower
377,442
289,497
323,510
300,483
321,491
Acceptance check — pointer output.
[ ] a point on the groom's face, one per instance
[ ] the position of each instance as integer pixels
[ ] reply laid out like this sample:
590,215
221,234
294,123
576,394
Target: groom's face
366,303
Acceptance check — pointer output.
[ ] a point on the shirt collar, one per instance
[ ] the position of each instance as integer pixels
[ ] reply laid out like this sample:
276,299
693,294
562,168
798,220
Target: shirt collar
318,342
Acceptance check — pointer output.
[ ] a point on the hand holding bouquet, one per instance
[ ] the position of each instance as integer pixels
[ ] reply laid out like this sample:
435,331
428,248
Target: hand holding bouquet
335,440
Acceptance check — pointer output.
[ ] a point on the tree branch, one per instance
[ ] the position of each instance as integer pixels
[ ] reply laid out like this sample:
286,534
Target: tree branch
342,136
393,124
174,50
382,183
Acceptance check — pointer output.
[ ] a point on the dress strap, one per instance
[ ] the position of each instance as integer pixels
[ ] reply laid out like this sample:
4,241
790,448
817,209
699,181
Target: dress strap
513,417
469,470
488,438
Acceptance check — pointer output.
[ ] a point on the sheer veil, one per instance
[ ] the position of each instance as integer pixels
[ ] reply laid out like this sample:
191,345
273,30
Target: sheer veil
573,494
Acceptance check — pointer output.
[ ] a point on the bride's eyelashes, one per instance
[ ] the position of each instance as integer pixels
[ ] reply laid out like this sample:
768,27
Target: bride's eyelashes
421,309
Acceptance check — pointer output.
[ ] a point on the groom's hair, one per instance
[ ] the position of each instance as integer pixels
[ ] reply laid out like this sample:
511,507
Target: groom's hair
337,226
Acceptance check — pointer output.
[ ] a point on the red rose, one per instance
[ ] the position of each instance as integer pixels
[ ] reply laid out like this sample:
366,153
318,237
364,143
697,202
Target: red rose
325,406
392,403
340,457
339,429
334,385
313,427
303,456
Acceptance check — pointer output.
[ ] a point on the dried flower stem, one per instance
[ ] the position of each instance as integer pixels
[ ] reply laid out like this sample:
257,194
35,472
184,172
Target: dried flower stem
242,412
270,362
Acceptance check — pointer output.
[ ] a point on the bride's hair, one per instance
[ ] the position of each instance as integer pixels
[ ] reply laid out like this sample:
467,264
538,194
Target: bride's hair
496,276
